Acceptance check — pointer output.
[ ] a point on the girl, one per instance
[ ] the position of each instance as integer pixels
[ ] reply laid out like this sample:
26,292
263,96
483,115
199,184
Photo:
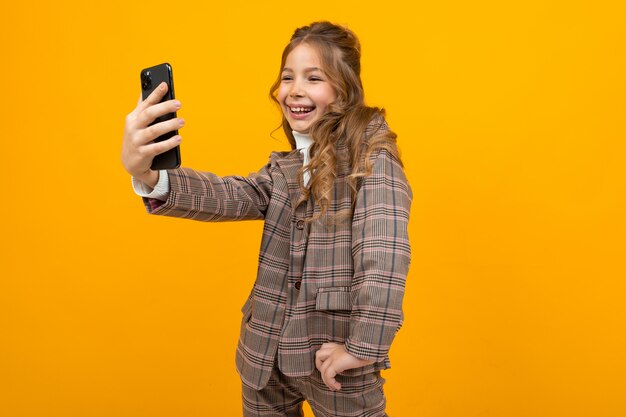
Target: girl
327,301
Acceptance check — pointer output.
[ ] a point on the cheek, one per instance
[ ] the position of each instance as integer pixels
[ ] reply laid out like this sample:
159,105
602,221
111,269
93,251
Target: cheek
326,97
281,94
281,102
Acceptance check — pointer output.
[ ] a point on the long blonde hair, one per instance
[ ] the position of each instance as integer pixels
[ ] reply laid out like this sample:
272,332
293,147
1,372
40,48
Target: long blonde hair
346,119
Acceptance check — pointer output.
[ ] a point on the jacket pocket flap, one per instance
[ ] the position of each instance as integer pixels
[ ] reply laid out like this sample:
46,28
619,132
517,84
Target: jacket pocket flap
333,298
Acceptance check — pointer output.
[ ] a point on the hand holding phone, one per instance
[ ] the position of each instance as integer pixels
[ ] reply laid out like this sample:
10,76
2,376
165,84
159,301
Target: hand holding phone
139,147
151,78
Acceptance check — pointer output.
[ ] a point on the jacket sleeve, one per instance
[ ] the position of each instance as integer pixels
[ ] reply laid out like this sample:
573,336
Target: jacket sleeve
207,197
381,253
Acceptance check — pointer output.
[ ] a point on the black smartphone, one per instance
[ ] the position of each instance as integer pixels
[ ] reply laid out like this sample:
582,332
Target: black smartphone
151,78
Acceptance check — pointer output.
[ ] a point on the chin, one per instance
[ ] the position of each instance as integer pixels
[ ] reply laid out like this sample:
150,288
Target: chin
304,129
302,126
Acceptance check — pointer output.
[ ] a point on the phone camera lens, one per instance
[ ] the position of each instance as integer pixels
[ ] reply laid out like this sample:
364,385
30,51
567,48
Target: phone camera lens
146,80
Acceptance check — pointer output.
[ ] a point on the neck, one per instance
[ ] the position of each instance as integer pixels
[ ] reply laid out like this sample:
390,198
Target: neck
303,140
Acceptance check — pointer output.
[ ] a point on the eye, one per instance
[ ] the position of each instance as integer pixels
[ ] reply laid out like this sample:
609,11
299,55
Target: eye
315,79
286,78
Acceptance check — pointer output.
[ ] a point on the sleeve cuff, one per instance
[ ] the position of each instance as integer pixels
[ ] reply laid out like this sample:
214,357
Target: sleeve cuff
160,191
366,351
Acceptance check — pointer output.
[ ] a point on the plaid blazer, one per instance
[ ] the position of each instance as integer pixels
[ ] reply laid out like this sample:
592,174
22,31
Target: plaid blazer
316,283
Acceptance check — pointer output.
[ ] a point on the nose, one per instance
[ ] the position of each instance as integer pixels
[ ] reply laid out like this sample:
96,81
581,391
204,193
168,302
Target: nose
296,89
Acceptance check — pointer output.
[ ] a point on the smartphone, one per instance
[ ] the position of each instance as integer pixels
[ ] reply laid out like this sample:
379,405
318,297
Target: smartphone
151,78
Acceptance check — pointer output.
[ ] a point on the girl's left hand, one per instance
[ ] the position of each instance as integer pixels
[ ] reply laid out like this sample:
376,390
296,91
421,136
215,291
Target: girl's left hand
331,359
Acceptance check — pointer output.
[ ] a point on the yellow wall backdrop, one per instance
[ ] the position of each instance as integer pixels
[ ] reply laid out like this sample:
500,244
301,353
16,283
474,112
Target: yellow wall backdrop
510,118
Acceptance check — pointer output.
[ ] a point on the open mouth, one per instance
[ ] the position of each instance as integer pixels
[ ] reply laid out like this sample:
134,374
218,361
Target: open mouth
301,110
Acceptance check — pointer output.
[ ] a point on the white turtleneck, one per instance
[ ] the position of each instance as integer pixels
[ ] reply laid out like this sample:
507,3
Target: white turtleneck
162,188
303,143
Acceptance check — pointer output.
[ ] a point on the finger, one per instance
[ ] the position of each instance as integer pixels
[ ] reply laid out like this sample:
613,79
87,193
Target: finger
328,376
160,147
154,97
319,359
136,109
322,370
150,133
321,355
332,383
148,115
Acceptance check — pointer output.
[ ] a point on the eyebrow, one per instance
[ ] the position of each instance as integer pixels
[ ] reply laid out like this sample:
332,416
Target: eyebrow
310,69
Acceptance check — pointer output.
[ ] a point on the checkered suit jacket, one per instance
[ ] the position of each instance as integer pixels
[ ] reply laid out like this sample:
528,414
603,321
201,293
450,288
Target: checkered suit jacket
316,283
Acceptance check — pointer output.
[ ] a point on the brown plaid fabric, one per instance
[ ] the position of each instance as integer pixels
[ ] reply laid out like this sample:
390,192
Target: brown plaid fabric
316,282
283,396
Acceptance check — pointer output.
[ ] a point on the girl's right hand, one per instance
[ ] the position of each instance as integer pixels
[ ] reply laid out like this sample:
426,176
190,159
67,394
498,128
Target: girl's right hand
138,146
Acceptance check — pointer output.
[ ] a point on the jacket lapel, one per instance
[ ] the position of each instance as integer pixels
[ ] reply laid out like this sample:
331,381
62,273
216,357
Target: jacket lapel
290,164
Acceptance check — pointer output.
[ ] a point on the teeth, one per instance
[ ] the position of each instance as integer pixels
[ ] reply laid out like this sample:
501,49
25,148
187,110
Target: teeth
301,109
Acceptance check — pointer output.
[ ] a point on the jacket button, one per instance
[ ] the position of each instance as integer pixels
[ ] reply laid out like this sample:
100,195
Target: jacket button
297,285
300,224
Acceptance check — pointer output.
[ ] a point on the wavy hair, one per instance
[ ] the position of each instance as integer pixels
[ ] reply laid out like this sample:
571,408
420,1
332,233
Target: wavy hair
346,119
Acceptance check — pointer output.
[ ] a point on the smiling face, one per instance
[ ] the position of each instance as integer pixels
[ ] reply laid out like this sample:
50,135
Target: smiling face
304,92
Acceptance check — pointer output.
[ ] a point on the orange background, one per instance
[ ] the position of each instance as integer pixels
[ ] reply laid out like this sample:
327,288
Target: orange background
510,118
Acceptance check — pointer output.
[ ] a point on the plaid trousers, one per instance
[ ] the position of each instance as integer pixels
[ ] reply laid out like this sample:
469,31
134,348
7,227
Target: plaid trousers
359,396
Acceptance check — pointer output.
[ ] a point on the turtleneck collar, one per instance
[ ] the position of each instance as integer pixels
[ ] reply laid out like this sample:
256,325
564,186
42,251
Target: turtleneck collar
303,143
303,140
